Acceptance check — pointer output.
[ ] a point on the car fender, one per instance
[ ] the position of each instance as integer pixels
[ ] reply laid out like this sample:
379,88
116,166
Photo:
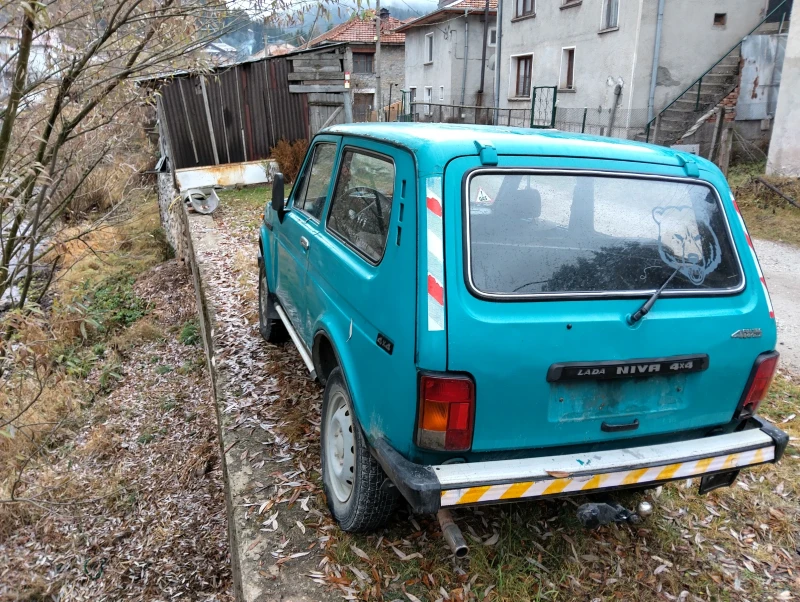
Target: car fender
265,257
337,332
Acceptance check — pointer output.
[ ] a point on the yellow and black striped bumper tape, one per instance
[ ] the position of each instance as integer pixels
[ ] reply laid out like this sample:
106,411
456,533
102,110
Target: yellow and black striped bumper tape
555,486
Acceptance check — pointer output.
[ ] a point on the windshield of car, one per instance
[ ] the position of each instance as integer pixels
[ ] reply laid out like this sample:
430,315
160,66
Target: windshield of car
547,233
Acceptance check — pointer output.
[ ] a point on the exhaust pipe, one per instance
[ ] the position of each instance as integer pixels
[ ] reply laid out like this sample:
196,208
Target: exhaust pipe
452,534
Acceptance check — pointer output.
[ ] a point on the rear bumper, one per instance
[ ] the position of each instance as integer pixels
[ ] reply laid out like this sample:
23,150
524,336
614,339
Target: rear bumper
429,488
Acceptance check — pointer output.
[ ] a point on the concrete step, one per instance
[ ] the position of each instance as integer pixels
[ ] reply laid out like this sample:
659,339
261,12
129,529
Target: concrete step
689,105
715,77
726,69
770,28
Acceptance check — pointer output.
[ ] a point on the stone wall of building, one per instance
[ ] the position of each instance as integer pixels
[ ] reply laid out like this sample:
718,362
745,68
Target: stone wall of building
392,75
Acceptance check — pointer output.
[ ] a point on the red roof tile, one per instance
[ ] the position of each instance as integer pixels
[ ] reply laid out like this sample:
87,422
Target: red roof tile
363,31
456,7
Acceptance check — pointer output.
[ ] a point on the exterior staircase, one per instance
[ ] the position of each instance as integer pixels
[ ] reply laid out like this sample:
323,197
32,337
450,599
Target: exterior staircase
695,102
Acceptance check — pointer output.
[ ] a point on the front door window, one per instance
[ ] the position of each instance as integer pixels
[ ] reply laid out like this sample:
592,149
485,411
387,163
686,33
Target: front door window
362,203
313,189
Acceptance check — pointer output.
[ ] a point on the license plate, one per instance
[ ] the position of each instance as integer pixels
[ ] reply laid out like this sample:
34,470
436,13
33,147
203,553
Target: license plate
643,368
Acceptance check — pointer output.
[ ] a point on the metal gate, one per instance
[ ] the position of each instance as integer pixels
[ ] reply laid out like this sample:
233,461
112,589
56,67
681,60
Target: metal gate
543,107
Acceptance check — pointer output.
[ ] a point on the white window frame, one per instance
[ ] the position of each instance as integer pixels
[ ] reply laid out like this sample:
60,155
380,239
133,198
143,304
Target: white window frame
562,74
428,59
512,75
441,92
427,98
604,21
492,30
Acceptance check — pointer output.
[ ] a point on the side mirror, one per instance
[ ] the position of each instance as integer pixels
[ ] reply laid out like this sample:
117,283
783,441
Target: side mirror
277,195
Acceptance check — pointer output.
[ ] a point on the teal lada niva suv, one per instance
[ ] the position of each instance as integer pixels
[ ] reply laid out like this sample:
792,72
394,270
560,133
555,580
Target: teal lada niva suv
501,314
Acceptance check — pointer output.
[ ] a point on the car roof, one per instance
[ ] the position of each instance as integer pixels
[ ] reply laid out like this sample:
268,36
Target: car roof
442,141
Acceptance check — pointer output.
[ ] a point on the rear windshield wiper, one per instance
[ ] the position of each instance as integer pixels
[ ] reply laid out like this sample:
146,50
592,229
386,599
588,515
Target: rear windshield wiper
648,305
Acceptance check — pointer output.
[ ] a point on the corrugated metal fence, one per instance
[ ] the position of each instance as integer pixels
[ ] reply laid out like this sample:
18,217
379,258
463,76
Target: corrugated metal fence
232,114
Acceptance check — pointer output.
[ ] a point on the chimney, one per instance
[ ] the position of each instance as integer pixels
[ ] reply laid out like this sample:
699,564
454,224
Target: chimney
384,13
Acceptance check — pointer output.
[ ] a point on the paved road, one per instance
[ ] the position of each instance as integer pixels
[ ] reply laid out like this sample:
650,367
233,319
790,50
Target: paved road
781,265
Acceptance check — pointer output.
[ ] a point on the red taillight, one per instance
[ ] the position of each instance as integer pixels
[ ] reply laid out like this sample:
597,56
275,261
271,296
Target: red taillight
446,412
758,383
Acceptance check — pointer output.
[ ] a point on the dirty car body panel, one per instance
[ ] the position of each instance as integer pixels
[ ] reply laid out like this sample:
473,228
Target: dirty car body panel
489,345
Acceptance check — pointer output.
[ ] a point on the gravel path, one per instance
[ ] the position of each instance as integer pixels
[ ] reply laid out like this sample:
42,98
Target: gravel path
781,265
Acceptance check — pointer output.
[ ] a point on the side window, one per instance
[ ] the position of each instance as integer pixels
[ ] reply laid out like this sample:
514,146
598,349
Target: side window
314,186
362,203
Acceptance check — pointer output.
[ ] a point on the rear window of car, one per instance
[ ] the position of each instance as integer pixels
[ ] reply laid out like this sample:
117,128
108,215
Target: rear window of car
544,233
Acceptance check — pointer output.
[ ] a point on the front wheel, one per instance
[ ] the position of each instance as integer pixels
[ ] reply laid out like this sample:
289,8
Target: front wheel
270,327
353,480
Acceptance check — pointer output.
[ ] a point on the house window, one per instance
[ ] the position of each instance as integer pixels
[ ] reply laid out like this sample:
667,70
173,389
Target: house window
720,19
525,7
362,62
521,72
492,37
428,99
567,79
441,92
610,14
428,48
412,94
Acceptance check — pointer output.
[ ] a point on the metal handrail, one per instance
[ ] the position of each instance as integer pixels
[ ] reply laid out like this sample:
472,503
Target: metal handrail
699,80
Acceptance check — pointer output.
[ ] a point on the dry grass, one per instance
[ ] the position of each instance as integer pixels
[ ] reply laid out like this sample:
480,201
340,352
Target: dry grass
767,215
117,506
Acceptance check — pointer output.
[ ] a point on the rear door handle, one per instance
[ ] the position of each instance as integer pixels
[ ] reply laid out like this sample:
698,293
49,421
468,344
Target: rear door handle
304,243
617,428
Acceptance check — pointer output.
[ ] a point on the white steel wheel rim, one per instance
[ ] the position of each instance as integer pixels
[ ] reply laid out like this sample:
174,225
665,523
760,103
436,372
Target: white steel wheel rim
263,299
340,448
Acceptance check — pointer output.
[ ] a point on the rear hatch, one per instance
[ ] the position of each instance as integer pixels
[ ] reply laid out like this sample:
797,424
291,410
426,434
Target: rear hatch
544,269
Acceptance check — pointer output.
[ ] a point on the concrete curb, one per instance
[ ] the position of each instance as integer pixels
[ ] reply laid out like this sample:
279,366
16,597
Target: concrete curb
256,576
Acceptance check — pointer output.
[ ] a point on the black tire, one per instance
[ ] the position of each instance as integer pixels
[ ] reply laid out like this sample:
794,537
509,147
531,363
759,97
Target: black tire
369,504
271,328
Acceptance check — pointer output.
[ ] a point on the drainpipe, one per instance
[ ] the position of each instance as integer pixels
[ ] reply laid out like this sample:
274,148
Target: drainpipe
483,50
656,52
378,91
613,116
497,61
466,52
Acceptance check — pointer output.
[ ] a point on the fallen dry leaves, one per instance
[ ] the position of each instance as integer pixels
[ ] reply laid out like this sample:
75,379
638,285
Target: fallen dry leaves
143,515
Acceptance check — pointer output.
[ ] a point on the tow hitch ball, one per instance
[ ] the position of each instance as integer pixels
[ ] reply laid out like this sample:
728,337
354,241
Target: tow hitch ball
595,514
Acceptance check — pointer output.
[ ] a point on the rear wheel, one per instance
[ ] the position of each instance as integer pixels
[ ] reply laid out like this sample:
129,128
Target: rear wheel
353,480
270,327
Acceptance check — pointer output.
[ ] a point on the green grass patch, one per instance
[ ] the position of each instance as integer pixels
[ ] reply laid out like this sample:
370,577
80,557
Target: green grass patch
190,333
244,206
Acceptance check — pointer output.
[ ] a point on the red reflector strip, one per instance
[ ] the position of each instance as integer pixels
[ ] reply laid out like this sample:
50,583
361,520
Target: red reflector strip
459,417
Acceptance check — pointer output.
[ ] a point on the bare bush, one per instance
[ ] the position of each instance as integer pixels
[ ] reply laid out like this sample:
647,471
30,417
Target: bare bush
289,157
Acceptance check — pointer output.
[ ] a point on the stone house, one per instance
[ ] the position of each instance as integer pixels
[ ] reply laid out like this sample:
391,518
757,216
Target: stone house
620,53
445,55
360,35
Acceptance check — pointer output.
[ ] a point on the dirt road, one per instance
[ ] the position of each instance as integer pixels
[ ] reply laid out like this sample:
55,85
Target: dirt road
781,265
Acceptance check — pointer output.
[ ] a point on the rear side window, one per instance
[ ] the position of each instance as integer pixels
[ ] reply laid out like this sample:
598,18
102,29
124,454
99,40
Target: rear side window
535,233
362,203
314,187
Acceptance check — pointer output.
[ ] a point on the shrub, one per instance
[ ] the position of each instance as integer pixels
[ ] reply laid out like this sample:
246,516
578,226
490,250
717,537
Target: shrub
289,157
190,334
